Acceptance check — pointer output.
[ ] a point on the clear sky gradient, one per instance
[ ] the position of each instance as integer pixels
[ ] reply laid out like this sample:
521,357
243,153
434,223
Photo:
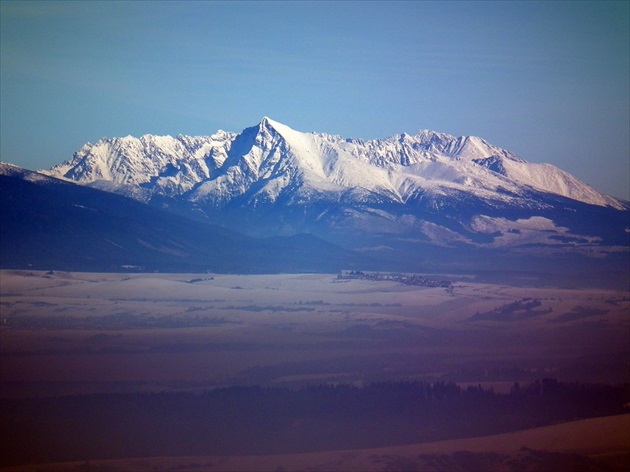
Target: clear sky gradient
548,81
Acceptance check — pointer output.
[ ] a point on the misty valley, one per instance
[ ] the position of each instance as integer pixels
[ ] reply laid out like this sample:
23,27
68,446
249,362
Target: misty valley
112,366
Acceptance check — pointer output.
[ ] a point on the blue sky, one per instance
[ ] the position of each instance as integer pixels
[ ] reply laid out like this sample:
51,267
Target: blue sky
548,81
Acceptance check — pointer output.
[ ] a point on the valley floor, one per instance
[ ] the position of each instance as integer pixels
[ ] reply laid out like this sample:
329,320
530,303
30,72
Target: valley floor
64,333
93,340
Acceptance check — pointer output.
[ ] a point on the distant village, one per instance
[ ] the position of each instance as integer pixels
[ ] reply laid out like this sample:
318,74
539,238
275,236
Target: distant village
405,279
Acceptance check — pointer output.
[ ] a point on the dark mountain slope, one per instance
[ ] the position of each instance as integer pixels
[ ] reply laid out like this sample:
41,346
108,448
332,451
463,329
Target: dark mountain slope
47,223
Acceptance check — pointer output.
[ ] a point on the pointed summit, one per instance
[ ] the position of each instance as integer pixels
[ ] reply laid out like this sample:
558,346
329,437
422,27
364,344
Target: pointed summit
272,125
268,123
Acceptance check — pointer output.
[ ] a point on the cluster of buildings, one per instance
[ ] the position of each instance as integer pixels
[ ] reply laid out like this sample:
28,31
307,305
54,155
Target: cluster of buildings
406,279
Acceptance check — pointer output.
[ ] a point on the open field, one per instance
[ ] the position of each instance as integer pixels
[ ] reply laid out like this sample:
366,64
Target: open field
79,332
102,367
593,444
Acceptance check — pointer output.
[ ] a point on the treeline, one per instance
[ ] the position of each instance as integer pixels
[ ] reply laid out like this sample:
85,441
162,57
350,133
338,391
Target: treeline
256,420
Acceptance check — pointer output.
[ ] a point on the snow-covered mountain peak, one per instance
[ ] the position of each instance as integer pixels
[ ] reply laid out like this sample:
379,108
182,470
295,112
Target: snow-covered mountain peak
427,136
267,122
270,160
276,129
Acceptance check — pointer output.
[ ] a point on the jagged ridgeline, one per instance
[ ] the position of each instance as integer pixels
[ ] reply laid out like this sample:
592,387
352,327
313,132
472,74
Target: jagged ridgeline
411,202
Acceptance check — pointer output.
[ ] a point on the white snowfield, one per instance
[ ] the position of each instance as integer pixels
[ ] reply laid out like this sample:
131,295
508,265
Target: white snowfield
272,161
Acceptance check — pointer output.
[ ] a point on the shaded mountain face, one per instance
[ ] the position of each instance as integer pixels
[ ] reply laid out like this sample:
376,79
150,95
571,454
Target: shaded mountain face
433,189
52,224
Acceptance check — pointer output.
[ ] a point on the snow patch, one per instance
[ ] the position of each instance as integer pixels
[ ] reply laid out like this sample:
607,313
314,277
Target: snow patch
535,230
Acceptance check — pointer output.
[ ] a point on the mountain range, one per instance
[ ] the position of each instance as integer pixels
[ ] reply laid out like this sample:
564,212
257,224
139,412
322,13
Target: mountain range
407,199
271,163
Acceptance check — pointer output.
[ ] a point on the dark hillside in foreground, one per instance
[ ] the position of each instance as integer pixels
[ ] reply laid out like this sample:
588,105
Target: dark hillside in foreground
253,420
51,224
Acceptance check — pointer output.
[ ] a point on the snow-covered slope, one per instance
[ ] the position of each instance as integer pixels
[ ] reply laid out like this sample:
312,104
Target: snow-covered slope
272,180
162,164
271,162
